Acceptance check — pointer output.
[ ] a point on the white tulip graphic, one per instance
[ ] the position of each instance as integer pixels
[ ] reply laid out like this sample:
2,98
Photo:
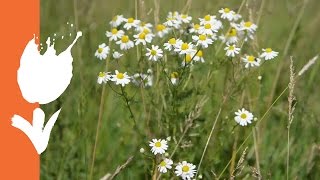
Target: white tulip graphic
42,79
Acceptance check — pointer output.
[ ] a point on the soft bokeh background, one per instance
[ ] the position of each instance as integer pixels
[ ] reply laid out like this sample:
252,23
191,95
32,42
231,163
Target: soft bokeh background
69,152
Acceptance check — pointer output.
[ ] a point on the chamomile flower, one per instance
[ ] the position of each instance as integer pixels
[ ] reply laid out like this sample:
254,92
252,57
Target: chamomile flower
158,146
226,13
231,37
206,19
202,40
172,20
117,20
184,48
116,55
268,54
165,165
194,28
198,57
174,78
236,16
103,77
251,61
154,53
243,117
102,52
184,18
185,170
142,38
143,26
131,23
125,43
172,43
162,30
207,29
120,78
248,26
114,34
145,79
232,50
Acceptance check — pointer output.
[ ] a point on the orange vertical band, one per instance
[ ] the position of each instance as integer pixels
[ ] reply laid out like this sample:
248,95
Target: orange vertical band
18,158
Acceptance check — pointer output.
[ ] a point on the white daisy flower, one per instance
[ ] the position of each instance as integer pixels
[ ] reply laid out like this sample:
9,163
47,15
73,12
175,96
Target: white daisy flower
114,34
162,30
172,43
268,54
236,16
102,52
251,61
249,26
185,170
120,78
243,117
117,20
199,57
194,28
154,53
143,26
231,37
172,20
202,40
174,78
145,79
226,13
131,23
184,48
125,43
184,18
232,50
165,165
207,29
103,77
117,55
206,19
158,146
142,38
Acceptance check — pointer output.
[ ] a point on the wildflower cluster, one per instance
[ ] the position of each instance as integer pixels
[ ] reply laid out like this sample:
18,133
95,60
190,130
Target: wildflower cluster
183,169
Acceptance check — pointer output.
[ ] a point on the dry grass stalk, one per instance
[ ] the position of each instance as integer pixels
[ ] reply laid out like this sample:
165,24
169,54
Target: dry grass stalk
118,170
307,66
240,165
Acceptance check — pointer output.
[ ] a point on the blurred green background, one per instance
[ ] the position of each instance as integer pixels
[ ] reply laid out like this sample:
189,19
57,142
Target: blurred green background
69,152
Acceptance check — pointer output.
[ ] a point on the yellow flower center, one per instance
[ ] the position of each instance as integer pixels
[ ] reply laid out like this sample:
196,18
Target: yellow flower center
226,10
184,46
196,26
207,26
130,20
268,50
232,32
120,76
163,164
153,52
200,53
146,31
142,35
160,27
172,41
157,144
185,169
188,58
100,50
231,48
202,37
125,39
174,75
142,24
102,74
251,58
114,31
184,16
207,17
248,24
243,116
